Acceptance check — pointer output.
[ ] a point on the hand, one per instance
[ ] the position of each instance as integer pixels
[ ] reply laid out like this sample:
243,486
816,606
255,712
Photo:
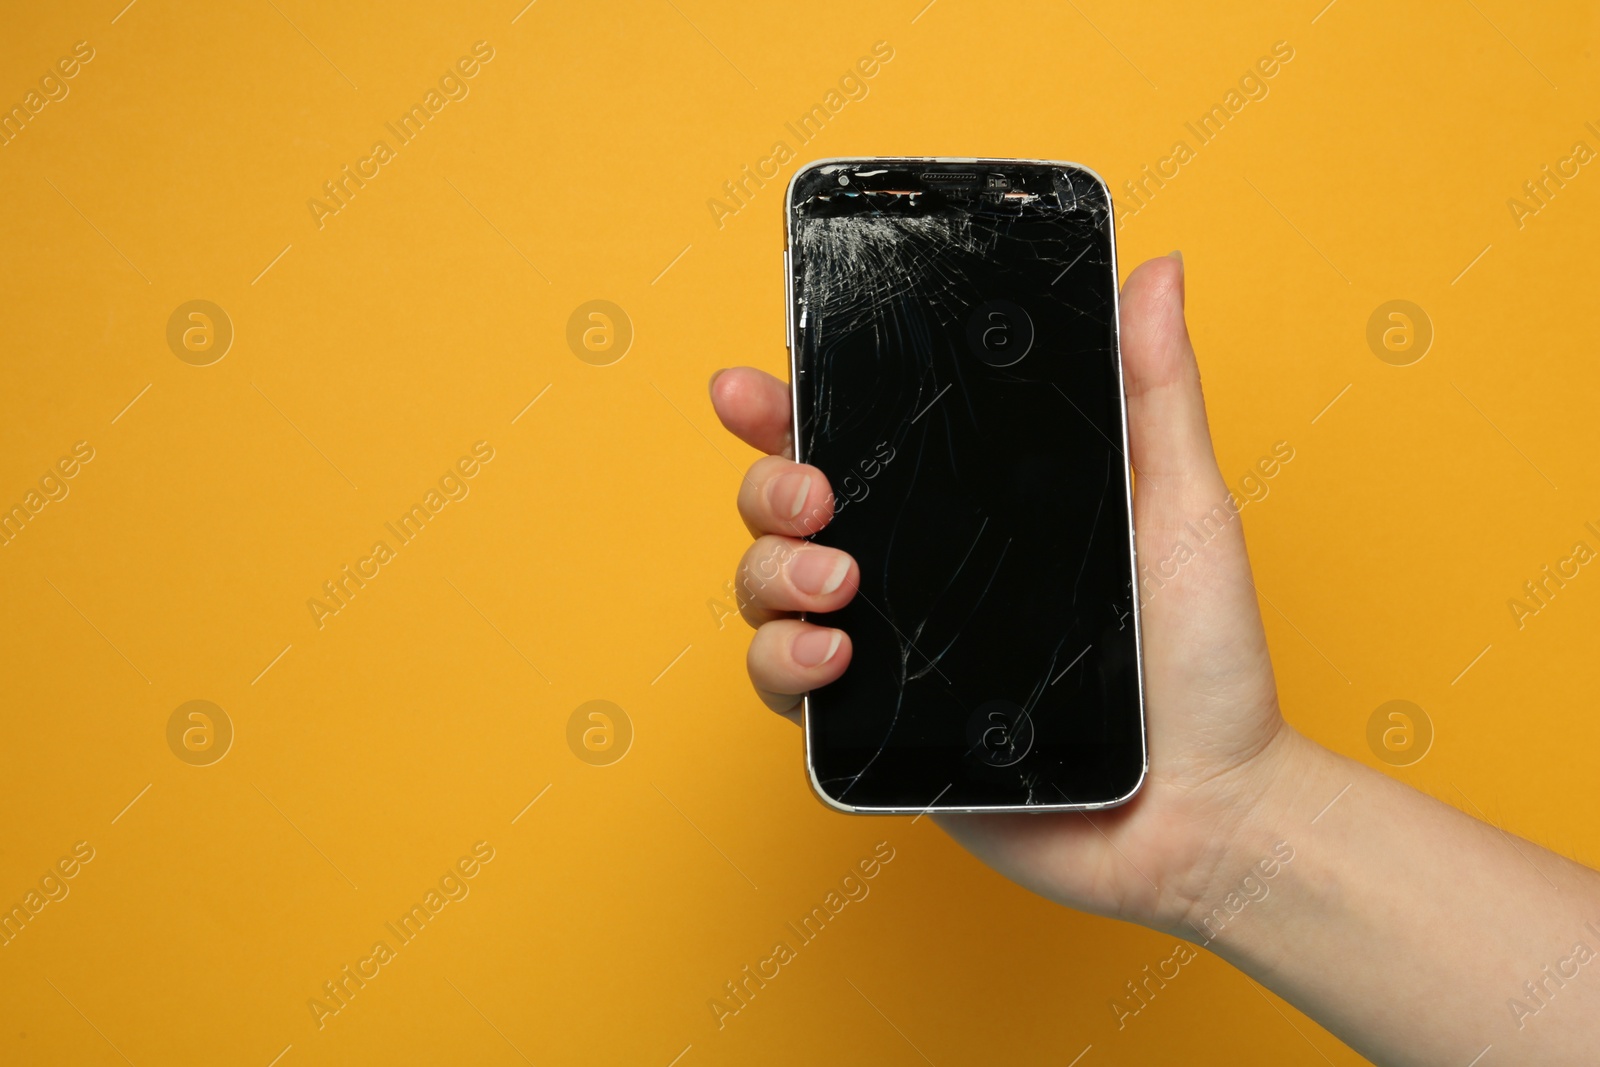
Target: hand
1216,738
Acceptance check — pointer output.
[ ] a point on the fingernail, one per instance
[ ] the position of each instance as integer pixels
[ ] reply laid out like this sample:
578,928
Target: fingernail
818,571
714,376
789,493
815,647
1174,254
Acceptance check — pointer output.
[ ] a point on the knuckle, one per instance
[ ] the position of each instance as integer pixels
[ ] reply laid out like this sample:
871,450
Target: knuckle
767,468
758,584
763,647
753,487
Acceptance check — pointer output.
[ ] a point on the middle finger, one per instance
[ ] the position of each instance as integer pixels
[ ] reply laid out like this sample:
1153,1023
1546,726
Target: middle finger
780,496
781,575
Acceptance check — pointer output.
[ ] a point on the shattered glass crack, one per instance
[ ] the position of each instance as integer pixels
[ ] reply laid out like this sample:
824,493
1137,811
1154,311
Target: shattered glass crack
960,318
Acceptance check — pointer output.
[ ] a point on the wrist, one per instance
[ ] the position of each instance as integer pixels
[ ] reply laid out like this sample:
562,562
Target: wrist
1250,845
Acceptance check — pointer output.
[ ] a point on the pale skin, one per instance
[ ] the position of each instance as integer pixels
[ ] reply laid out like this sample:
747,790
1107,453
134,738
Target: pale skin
1404,926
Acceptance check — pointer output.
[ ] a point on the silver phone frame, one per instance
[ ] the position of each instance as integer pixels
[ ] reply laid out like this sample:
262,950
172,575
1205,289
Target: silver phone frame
790,337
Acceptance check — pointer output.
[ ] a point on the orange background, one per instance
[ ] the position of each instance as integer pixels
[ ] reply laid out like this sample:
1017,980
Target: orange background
589,559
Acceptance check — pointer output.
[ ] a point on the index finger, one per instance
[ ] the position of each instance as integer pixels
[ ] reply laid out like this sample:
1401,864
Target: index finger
754,406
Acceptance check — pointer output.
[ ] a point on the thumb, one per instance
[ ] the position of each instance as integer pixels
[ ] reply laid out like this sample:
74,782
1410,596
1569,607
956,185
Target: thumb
1167,432
1205,647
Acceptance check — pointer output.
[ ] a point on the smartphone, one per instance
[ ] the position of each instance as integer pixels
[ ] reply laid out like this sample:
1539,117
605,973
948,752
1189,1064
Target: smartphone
952,329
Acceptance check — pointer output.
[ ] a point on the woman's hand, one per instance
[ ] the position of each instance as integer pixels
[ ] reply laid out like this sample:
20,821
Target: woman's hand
1216,739
1403,925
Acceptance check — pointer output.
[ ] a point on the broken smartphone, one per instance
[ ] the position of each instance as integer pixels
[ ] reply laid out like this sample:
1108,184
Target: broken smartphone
956,375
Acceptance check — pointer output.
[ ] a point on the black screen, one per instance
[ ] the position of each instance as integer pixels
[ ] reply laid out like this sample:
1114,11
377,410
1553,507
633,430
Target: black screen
956,378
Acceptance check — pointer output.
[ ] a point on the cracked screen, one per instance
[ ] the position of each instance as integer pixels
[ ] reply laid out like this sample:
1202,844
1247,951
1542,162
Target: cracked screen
956,377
